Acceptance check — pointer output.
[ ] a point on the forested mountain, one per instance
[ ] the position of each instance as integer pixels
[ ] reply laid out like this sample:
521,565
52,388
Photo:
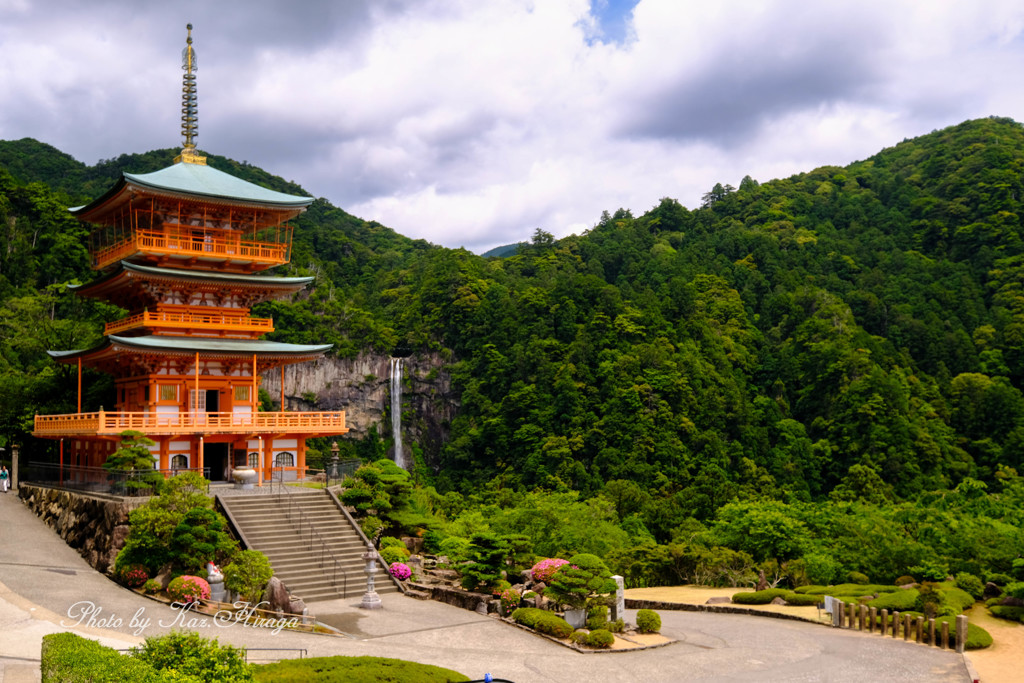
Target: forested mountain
845,334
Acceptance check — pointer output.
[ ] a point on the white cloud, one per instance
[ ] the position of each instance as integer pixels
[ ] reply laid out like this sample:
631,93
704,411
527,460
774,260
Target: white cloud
474,123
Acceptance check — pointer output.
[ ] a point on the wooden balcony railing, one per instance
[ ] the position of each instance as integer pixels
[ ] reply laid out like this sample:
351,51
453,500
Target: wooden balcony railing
104,423
181,243
192,321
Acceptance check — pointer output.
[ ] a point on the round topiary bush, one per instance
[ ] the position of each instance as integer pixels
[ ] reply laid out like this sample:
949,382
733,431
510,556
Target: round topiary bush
542,621
579,636
648,621
152,586
186,589
400,570
600,638
133,575
391,555
392,542
857,577
597,617
904,580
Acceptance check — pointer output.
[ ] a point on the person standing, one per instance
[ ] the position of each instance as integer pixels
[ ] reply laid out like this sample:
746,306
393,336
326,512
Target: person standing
4,478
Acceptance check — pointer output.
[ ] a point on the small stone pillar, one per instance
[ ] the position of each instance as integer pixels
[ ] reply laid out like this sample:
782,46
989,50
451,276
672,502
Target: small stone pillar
885,622
906,627
931,631
895,624
862,617
961,632
370,599
14,466
919,629
872,618
945,635
619,606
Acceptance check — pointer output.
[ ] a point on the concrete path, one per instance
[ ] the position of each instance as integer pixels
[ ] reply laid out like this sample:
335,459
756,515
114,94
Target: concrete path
45,587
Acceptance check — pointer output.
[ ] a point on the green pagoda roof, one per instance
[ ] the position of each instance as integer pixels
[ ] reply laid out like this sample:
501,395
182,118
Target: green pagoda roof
199,180
202,345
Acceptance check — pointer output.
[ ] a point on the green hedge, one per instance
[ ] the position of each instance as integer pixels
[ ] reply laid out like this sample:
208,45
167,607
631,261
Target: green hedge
803,600
542,621
847,589
901,600
1008,612
353,670
759,597
68,658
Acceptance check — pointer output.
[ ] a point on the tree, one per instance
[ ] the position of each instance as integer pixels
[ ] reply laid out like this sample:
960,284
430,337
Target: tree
131,465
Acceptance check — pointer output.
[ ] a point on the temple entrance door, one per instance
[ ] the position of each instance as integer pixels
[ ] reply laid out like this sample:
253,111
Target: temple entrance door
215,456
212,400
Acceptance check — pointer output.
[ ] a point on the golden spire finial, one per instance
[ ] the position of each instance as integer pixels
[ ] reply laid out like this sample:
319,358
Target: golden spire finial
189,106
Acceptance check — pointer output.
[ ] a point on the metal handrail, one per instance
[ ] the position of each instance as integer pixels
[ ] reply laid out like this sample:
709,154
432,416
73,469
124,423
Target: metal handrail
325,552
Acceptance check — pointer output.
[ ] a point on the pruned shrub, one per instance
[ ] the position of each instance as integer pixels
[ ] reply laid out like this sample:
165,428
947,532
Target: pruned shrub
72,658
391,555
600,638
597,617
248,574
152,586
579,636
759,597
905,580
400,570
583,581
803,600
133,575
353,670
970,583
187,654
901,600
392,542
1008,612
857,577
977,637
186,589
617,626
648,621
542,621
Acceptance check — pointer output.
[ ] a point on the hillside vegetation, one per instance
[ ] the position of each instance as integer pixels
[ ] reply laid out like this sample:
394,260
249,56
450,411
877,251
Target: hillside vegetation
838,354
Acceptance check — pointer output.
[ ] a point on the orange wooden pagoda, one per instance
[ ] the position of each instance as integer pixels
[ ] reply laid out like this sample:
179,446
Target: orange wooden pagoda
182,250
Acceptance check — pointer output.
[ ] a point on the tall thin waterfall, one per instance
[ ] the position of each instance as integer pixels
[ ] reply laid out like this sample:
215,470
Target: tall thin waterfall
396,412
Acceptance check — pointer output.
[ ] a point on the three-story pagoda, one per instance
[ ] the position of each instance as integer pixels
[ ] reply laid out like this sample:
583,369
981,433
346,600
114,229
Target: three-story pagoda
183,249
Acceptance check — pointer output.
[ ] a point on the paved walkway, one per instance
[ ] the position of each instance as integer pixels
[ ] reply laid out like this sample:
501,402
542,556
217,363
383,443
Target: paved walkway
45,586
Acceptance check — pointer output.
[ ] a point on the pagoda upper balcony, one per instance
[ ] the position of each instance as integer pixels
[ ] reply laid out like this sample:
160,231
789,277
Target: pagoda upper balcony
163,322
106,423
185,245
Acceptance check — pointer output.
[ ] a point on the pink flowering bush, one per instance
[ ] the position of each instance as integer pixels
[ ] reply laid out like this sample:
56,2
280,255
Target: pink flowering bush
133,575
510,599
186,589
545,569
400,571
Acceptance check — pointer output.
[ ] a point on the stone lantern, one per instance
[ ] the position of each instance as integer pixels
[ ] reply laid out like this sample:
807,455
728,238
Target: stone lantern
370,599
334,460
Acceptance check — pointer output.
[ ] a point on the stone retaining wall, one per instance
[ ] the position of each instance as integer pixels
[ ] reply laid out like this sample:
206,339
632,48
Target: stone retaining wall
96,527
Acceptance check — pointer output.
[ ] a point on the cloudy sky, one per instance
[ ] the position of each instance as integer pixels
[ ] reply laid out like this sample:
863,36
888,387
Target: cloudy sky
474,122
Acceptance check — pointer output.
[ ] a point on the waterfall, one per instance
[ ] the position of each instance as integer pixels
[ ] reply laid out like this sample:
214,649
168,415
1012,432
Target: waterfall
396,411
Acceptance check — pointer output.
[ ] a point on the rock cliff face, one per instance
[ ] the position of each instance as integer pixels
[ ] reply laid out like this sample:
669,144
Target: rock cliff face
361,387
95,527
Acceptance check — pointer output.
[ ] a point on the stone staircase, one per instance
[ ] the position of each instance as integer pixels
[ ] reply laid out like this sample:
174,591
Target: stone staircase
312,546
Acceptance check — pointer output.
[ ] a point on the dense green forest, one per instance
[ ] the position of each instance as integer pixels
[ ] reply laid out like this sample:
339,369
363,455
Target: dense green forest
836,356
